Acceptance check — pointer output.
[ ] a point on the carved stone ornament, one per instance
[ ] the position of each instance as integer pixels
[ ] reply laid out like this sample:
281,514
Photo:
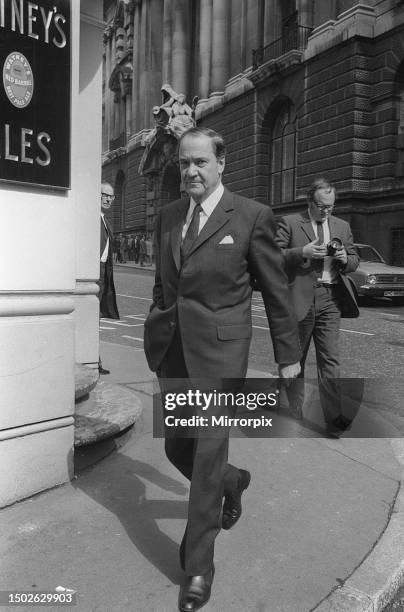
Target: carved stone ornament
172,118
174,115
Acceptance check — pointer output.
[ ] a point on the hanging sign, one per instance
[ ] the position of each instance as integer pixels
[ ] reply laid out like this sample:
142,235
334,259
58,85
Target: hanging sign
35,50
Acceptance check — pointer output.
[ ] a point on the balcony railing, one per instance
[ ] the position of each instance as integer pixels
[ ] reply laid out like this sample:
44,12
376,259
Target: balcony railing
294,38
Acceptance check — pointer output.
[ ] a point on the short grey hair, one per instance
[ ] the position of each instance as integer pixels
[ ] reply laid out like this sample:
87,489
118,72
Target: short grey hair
319,183
218,143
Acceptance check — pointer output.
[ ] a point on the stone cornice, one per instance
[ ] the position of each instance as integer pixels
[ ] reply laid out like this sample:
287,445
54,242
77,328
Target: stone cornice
277,68
359,20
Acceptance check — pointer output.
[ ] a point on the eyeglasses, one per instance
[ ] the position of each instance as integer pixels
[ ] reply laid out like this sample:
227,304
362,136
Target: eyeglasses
108,195
322,207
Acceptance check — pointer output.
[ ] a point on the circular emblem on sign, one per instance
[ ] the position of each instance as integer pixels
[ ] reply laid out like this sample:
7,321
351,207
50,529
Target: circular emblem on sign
18,79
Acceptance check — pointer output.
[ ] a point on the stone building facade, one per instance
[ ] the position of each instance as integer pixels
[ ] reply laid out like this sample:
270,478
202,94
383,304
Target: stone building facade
299,88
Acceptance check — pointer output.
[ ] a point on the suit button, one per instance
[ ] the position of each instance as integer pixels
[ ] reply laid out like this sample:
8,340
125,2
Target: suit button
171,324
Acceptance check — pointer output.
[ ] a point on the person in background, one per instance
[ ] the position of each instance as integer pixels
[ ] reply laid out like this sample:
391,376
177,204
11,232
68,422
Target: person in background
136,248
142,250
130,247
319,251
106,295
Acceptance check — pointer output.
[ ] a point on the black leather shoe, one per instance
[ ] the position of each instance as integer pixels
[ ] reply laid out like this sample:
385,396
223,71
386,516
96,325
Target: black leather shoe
342,423
196,592
232,503
103,370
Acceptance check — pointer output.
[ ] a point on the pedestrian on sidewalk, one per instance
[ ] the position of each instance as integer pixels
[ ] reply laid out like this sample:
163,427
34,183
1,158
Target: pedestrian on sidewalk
199,326
130,247
142,250
319,251
124,248
136,248
106,294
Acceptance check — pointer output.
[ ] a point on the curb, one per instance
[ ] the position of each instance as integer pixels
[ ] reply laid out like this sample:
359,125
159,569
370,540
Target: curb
378,578
149,268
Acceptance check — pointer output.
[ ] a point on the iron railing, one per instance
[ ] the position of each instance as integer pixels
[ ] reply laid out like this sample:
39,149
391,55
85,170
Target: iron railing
294,38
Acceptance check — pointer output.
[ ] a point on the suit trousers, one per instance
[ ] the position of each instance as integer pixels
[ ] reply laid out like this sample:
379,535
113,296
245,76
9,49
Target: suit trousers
321,323
203,461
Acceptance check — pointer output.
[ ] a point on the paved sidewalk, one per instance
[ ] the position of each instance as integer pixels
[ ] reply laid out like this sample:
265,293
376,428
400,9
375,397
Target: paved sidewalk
322,526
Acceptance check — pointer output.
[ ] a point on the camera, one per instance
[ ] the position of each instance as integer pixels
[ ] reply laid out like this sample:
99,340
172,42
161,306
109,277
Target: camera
333,246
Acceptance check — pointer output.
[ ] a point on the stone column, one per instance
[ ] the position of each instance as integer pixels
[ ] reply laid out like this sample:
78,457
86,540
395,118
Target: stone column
205,48
253,29
107,92
236,14
156,52
150,54
305,12
142,114
135,64
219,67
273,22
167,41
180,46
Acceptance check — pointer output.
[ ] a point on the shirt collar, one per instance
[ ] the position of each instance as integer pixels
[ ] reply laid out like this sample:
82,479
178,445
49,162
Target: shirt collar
209,205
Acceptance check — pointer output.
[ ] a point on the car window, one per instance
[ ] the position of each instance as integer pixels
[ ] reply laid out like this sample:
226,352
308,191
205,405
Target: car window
368,253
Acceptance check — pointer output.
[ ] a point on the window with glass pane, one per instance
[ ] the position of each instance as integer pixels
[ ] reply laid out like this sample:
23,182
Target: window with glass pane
283,158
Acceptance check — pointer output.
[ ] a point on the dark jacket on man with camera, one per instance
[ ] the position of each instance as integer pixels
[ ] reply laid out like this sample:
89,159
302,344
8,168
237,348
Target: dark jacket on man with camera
294,232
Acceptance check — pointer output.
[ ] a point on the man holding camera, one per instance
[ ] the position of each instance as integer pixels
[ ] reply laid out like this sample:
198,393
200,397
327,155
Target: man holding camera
319,250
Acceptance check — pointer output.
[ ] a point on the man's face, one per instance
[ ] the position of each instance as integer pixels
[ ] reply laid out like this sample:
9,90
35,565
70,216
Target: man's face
201,170
323,203
107,197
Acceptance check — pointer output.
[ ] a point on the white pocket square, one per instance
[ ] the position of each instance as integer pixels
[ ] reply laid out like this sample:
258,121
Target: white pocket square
227,240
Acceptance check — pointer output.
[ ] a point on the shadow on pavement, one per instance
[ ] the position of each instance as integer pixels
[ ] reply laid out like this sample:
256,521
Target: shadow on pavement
119,486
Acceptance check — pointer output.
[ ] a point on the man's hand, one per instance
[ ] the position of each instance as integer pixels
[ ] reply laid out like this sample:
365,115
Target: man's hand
289,371
341,255
314,250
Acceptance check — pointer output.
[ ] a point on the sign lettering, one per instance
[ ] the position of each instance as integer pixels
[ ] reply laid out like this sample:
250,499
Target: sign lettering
35,43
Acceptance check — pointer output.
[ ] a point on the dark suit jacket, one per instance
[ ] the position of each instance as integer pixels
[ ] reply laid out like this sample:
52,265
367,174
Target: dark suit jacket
209,297
107,295
294,232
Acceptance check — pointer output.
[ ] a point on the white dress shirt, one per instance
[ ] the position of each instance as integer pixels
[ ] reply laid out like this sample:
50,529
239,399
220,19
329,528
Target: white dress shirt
328,275
207,206
104,255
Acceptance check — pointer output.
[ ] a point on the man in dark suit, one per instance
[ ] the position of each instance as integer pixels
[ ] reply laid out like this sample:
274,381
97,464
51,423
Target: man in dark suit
320,292
106,294
209,246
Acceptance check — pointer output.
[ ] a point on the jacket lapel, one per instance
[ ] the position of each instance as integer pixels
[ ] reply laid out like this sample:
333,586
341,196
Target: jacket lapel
178,220
109,228
220,216
333,228
307,226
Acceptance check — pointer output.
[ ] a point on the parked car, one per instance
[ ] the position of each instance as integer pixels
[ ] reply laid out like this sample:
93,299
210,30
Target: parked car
374,278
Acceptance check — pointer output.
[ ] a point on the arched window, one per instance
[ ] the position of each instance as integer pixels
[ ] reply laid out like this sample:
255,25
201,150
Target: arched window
399,105
283,157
